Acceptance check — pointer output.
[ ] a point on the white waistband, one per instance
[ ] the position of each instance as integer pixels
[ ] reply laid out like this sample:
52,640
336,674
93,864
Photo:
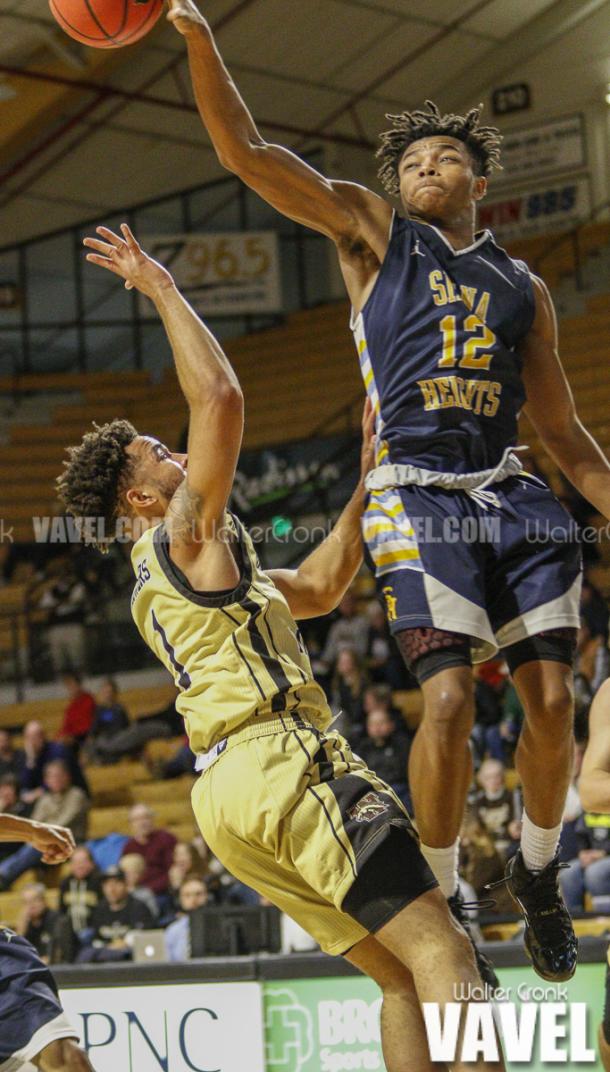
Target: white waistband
385,477
203,760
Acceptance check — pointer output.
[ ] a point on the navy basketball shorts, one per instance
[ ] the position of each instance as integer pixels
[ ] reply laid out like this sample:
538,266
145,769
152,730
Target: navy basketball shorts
31,1016
497,573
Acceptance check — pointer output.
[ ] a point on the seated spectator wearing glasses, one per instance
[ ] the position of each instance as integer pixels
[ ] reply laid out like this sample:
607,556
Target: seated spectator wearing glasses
497,808
193,894
157,848
110,718
62,804
117,914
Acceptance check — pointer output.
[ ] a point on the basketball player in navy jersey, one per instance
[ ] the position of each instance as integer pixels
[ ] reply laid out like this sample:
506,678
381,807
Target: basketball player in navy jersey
34,1030
454,339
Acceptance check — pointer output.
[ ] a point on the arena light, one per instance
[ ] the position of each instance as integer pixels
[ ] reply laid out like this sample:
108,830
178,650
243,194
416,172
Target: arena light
608,93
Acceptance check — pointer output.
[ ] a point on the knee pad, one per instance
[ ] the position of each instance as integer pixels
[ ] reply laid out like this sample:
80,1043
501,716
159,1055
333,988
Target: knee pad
427,651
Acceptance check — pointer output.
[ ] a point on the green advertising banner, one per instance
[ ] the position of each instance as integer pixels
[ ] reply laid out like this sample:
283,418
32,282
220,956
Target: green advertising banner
332,1025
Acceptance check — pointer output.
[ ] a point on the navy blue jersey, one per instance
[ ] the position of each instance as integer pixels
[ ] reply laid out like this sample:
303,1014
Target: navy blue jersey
28,996
438,341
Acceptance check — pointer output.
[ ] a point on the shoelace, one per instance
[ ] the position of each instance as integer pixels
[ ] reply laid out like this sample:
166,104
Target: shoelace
472,906
543,895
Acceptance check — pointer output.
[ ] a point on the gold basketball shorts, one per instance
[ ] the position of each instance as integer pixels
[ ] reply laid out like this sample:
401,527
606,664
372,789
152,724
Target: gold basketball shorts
293,813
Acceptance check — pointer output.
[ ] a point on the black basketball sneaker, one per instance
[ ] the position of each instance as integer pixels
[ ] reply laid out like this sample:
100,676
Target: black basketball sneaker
550,941
459,909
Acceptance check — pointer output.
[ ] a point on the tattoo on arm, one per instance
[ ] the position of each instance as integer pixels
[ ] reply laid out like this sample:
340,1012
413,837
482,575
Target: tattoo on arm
183,513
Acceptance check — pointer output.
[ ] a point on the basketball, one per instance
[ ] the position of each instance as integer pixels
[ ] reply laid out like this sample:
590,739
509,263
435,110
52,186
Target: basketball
106,23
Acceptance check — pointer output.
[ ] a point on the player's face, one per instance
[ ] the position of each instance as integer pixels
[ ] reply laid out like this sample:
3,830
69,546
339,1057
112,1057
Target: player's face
437,179
157,468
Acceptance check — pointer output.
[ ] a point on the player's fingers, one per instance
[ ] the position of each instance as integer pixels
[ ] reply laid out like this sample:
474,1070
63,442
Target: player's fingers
110,236
130,238
101,247
103,262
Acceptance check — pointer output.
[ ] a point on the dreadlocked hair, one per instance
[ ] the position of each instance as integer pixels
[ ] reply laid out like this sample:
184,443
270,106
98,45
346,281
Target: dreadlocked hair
483,142
93,478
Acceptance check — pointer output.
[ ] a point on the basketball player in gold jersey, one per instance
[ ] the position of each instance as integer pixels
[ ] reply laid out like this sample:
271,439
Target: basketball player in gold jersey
282,800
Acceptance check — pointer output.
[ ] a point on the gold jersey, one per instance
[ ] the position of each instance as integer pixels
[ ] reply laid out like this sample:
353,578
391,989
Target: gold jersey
233,654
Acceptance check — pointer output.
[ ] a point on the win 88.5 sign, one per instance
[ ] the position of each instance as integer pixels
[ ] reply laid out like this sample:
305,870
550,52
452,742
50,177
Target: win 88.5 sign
552,208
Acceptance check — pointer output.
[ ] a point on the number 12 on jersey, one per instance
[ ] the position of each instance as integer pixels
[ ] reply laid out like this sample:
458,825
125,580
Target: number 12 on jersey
470,359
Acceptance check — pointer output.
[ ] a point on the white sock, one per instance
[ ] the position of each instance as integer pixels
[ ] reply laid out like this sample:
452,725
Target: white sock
444,866
538,845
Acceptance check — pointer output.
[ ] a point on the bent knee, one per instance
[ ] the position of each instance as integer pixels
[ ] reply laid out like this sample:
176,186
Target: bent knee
450,716
555,713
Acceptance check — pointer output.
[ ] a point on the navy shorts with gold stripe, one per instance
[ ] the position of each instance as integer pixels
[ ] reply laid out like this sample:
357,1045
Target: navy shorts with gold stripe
293,813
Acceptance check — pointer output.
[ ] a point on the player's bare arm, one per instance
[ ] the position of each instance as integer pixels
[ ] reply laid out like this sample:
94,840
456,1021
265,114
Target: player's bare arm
594,782
550,408
196,513
56,843
355,218
320,582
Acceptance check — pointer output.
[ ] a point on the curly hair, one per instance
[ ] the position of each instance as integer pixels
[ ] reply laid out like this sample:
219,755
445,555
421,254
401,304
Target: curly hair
482,142
95,475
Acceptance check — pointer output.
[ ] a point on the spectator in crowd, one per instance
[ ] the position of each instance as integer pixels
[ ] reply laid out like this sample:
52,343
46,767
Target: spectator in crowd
347,693
133,866
594,610
185,861
384,662
157,848
8,758
36,754
37,921
590,871
79,714
489,683
81,890
10,804
378,697
480,861
61,598
130,741
496,808
193,894
350,630
62,804
110,717
112,919
386,751
182,762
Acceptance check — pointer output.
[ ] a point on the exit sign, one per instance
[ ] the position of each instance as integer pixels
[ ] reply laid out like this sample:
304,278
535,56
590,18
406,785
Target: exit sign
516,98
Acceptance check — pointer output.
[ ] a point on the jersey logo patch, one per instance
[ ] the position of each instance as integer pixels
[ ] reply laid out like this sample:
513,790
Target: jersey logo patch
416,252
369,807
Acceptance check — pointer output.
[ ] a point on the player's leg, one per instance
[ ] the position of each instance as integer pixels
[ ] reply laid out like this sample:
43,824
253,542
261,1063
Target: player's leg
63,1055
403,1035
541,668
426,939
440,761
603,1036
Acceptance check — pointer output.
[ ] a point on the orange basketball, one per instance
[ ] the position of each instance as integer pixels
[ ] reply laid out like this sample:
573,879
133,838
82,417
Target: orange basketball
106,23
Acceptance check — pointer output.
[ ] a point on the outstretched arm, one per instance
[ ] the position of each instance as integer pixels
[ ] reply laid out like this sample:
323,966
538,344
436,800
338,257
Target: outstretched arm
594,783
320,582
345,212
550,408
56,843
208,382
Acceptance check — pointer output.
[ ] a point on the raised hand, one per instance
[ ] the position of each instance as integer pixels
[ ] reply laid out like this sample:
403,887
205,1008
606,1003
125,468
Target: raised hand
122,255
185,16
56,843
